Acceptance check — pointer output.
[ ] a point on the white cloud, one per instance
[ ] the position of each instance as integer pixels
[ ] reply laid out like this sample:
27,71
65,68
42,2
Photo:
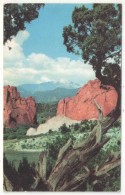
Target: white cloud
44,79
14,54
13,51
38,67
21,37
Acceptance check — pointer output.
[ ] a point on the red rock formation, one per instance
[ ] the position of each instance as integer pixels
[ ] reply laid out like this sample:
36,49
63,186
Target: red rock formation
81,106
18,110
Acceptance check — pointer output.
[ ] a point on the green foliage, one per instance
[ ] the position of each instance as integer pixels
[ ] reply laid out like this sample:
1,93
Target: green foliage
64,129
84,126
13,133
54,146
110,182
10,171
16,16
50,131
76,126
50,164
26,174
95,34
115,140
113,181
23,177
45,111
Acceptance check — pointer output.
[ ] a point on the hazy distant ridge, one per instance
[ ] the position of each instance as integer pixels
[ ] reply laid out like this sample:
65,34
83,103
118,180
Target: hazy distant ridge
49,91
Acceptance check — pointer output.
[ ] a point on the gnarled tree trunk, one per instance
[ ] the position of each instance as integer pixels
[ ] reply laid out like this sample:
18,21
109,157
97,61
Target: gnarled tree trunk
70,170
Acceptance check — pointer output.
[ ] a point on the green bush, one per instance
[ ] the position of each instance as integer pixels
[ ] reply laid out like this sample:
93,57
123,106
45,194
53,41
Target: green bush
6,136
12,136
50,131
18,132
76,127
64,129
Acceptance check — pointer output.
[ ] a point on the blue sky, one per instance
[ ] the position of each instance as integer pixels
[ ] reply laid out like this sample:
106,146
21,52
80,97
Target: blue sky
38,54
48,36
49,25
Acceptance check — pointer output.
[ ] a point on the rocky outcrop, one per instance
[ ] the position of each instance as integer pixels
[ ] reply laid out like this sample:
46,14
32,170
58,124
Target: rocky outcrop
18,110
81,106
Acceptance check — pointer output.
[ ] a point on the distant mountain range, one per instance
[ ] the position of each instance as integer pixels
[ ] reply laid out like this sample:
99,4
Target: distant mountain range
49,91
54,95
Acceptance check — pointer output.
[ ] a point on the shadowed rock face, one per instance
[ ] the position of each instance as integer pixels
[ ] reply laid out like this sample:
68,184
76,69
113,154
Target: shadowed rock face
81,106
18,110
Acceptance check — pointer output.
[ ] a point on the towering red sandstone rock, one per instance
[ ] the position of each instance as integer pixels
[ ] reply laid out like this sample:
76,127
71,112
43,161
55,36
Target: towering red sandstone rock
18,110
81,106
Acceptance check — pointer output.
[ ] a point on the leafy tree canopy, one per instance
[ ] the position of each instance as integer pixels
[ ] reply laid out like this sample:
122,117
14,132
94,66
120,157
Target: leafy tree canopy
15,17
95,34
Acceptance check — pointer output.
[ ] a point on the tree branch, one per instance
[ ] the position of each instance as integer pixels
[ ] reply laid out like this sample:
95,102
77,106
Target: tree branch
42,164
7,185
107,166
113,54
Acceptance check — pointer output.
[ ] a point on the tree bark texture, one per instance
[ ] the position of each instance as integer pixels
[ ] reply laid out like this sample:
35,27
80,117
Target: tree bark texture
70,170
